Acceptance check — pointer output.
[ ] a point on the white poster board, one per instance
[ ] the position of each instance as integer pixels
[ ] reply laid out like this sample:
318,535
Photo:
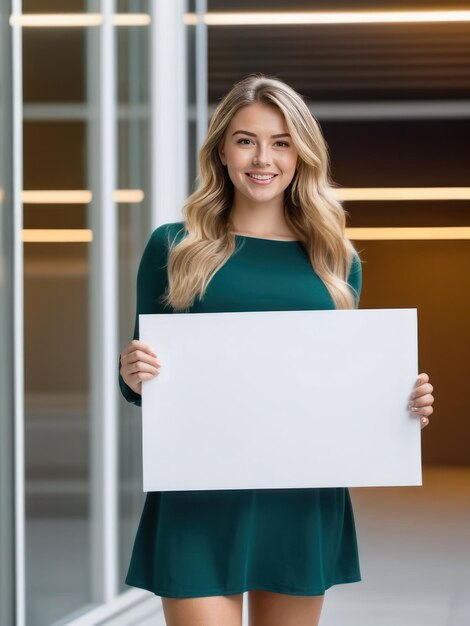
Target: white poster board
281,399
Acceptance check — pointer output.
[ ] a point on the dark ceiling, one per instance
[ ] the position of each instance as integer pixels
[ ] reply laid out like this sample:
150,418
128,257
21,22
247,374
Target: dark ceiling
345,61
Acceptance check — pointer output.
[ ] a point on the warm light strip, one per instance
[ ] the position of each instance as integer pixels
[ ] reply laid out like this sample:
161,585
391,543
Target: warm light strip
244,18
66,196
131,19
403,193
77,19
325,17
440,232
83,196
57,235
77,196
2,195
362,234
128,195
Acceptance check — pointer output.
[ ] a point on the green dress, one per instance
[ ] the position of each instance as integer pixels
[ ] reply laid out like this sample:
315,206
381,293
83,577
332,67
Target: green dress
217,542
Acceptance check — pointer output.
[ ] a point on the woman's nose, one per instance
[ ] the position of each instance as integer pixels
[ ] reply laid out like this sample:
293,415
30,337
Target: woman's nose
261,157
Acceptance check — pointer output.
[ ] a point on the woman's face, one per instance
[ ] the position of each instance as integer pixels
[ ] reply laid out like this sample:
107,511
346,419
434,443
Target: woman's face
257,142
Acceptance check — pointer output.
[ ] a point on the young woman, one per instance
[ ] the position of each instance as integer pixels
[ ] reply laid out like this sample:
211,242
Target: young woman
263,231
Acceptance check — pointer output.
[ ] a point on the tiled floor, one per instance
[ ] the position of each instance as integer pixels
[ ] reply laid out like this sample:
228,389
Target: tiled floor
414,544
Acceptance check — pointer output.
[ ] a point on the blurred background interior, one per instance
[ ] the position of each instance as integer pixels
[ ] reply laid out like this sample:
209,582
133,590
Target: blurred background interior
109,113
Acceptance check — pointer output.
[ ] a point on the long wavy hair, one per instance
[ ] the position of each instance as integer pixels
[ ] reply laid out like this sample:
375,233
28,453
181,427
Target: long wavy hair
311,208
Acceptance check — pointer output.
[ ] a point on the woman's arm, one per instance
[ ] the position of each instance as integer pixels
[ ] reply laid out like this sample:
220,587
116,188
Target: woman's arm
151,284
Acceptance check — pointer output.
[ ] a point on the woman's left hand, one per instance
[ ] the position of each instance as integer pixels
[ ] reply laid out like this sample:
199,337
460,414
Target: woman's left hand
421,399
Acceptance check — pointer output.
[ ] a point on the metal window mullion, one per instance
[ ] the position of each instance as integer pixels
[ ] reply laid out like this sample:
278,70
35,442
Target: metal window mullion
201,76
104,312
109,309
18,319
168,111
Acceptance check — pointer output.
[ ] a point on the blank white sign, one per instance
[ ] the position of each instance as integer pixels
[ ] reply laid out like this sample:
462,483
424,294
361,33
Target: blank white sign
281,399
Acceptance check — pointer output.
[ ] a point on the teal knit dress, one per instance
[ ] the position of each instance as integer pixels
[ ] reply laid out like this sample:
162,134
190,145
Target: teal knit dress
217,542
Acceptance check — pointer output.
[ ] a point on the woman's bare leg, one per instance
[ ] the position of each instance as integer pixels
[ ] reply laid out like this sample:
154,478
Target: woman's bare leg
205,611
266,608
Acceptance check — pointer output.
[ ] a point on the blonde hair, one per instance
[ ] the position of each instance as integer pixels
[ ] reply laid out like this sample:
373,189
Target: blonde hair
311,209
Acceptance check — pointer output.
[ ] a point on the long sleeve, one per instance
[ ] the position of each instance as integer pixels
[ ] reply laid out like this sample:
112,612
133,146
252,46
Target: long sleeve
151,283
355,277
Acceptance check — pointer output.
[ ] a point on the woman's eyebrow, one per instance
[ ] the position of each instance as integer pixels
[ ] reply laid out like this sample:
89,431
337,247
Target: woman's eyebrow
245,132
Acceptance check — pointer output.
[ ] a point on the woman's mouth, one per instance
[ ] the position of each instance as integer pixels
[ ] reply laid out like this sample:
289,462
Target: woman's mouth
261,179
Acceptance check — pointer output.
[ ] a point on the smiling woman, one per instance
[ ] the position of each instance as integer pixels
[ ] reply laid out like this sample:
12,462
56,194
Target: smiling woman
264,170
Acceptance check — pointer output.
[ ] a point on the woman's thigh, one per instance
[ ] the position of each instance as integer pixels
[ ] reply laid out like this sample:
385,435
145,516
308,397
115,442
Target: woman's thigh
266,608
205,611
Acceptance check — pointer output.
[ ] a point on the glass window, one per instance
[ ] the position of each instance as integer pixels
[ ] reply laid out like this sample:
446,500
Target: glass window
56,324
79,244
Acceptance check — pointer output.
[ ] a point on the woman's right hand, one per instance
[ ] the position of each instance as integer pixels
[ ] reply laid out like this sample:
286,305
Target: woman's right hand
138,362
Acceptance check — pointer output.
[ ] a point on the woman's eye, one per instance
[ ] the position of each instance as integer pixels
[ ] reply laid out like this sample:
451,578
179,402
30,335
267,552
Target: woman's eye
284,143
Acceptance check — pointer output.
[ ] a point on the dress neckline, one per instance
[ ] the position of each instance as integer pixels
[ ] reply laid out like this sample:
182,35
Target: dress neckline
266,239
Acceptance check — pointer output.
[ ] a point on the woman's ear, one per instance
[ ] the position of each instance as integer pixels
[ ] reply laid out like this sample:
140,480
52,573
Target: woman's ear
221,153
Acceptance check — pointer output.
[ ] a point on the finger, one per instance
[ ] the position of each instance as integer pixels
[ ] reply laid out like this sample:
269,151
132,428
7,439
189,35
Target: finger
422,390
136,344
144,366
144,357
424,422
140,376
135,382
424,411
130,361
422,378
423,400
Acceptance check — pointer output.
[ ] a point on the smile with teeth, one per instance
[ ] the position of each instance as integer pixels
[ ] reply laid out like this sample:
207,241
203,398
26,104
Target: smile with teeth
261,179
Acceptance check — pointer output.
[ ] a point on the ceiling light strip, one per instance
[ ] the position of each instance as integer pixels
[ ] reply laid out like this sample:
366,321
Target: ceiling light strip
266,18
352,194
42,20
58,235
241,18
66,196
411,233
356,194
132,196
78,196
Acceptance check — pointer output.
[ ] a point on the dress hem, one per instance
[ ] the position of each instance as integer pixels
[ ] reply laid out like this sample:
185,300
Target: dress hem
220,592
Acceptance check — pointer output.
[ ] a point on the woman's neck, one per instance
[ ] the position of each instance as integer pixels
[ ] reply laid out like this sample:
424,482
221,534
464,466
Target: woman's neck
260,224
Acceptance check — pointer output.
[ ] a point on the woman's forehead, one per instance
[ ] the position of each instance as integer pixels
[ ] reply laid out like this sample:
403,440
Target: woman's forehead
259,118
